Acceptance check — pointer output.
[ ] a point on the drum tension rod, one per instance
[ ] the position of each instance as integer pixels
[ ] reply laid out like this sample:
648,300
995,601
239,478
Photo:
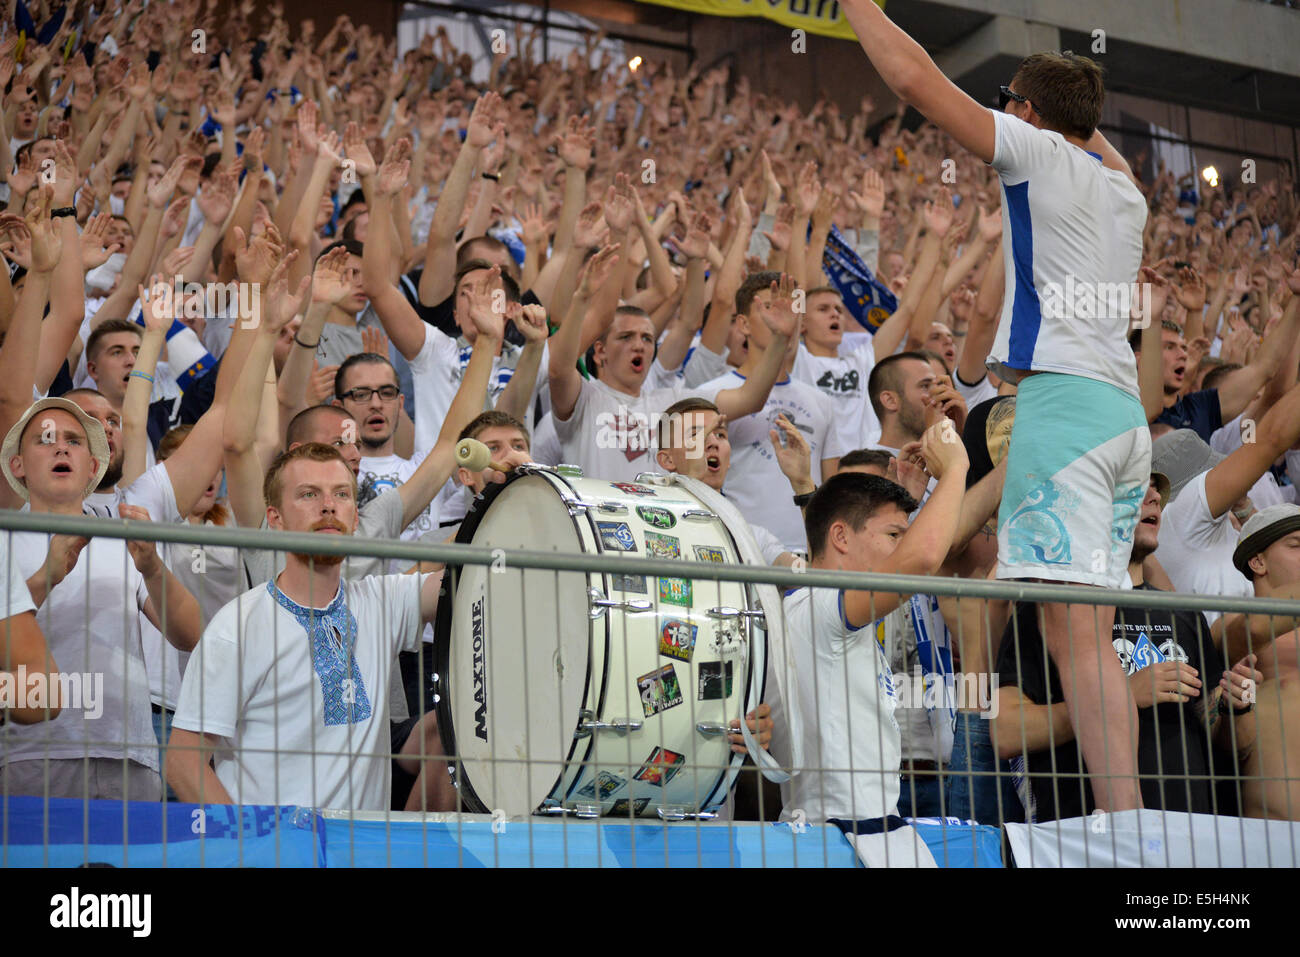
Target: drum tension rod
587,723
600,604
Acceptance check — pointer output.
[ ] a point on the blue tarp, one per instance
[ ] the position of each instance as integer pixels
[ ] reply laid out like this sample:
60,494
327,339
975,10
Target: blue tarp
137,834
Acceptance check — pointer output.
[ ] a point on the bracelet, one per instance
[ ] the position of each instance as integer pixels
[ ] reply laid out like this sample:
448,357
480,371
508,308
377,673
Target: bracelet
303,344
495,177
64,211
1225,705
803,498
141,375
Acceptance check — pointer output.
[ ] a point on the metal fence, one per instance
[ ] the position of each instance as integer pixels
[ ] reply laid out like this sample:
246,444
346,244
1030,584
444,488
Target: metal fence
571,699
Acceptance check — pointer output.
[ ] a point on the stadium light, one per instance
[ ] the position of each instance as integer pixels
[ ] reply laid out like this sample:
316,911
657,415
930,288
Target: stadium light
1210,175
634,63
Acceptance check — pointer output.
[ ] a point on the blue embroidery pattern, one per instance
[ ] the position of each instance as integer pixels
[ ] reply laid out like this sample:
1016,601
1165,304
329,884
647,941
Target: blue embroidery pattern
1035,531
333,636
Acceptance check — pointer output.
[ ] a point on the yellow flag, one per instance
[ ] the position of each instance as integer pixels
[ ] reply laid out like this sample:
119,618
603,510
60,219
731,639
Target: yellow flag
822,17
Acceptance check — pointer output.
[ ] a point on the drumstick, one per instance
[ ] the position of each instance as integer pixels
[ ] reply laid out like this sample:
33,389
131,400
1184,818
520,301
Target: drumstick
474,455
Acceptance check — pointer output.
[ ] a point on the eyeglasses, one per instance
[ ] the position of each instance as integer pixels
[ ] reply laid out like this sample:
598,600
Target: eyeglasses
360,394
1005,96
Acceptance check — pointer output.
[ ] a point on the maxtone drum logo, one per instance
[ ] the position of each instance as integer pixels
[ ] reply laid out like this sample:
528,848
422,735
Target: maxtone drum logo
480,684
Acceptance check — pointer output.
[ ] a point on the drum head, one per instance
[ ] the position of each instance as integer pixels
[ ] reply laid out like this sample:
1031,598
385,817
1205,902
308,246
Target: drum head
514,666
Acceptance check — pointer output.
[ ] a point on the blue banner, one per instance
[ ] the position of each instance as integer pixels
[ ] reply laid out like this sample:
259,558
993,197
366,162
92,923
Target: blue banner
868,299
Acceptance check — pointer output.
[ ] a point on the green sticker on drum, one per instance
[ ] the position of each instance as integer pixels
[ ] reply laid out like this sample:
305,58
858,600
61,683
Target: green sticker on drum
662,546
705,553
714,679
607,782
675,591
659,690
656,516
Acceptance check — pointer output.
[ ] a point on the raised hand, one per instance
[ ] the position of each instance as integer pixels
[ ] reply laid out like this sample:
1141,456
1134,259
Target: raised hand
256,260
778,312
943,400
47,244
284,303
576,144
374,341
530,320
308,117
939,213
533,225
320,387
597,270
160,192
395,172
157,303
908,470
695,245
486,121
329,282
942,449
794,456
586,230
143,553
176,260
95,248
66,178
990,225
480,294
62,557
807,190
217,198
620,204
871,201
1190,289
355,148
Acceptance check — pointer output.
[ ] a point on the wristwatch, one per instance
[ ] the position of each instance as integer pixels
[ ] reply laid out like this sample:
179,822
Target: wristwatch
803,498
64,211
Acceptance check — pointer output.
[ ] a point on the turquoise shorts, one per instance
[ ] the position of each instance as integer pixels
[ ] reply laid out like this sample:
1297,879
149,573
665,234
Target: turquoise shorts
1077,471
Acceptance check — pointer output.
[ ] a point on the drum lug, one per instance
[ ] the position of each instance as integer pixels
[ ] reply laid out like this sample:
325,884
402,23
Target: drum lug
651,478
699,515
715,730
587,724
553,807
726,613
612,508
683,812
600,604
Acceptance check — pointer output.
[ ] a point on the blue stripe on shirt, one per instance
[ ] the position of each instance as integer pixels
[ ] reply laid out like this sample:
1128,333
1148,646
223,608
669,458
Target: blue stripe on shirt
1026,314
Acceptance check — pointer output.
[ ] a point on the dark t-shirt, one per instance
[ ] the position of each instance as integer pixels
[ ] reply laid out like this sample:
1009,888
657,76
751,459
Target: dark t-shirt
443,315
1199,412
1171,736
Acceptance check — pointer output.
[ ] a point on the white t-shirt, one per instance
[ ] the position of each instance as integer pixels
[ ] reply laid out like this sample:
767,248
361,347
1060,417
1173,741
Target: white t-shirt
982,391
153,492
755,483
91,622
843,379
300,720
385,472
702,365
768,543
1196,548
610,434
381,517
1071,225
545,444
847,694
437,370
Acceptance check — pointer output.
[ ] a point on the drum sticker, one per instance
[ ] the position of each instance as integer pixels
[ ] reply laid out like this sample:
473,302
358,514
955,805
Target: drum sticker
661,767
616,537
632,583
662,546
705,553
608,784
714,680
660,690
633,489
622,806
677,639
658,517
675,591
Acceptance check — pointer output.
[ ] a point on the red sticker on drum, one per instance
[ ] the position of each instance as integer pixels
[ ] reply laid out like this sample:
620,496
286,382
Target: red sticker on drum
660,690
677,639
661,767
633,489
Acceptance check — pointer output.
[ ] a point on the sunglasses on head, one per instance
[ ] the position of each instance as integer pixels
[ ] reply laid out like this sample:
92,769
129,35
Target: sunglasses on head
1005,96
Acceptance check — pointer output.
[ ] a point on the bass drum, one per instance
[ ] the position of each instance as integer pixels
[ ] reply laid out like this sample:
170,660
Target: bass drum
595,693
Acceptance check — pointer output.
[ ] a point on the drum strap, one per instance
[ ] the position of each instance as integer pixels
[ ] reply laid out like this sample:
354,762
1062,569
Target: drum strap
778,658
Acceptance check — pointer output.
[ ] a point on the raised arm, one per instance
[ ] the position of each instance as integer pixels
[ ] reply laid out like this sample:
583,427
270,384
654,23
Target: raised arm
565,380
1239,386
1232,478
404,327
437,282
983,327
782,324
517,398
908,70
929,538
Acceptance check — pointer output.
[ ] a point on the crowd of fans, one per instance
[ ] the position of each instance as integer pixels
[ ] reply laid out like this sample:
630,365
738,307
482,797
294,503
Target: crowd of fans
241,256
